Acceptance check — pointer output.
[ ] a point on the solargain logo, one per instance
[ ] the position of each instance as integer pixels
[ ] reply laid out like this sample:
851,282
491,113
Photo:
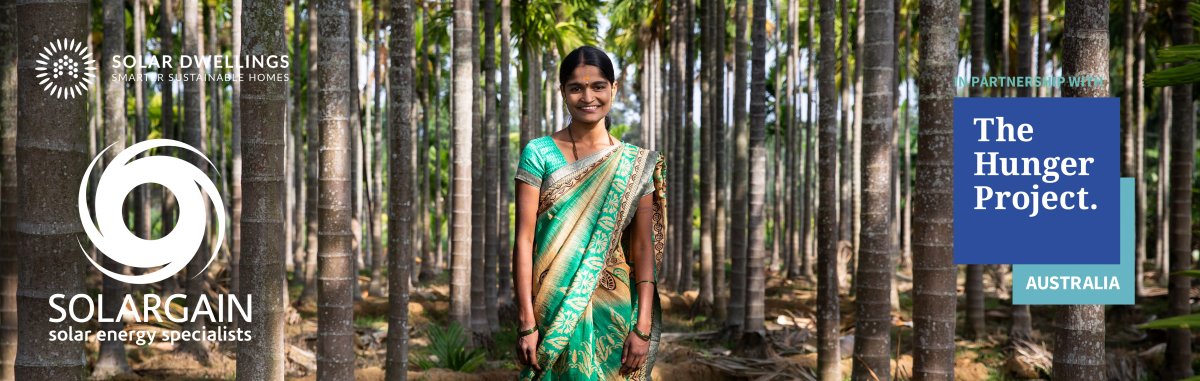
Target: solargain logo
113,238
65,68
169,254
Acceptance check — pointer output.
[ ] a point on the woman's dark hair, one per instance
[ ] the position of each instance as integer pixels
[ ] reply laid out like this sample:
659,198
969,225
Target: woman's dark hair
586,55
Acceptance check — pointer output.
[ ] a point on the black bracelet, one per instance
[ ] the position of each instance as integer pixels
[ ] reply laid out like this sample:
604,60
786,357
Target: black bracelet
527,332
644,336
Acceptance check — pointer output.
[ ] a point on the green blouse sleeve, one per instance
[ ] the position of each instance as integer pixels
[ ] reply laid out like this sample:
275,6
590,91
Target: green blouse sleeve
531,167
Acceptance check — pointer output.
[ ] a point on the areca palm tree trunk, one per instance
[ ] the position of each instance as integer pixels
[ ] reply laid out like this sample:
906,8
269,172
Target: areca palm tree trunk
400,189
479,235
1182,162
810,154
872,339
505,268
828,315
934,278
166,21
974,282
1162,209
264,276
491,179
356,148
51,146
530,114
738,203
720,144
463,104
235,180
379,255
142,126
688,51
8,189
111,360
707,170
309,294
846,181
299,157
1139,100
1079,329
754,331
430,258
193,134
335,249
1022,321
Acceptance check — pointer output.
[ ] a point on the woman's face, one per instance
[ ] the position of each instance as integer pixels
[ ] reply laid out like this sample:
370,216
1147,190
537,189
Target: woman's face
588,94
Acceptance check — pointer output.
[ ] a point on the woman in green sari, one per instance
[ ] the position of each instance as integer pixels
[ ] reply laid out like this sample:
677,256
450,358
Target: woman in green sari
589,238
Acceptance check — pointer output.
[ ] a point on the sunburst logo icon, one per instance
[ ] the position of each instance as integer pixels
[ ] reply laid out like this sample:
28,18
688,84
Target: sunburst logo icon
65,68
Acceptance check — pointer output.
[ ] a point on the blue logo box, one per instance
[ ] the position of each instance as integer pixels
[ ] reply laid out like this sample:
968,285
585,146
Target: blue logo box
1036,181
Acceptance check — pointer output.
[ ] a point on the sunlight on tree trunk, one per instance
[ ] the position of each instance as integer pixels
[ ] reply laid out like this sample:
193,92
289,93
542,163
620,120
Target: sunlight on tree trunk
1079,329
934,279
51,147
265,108
462,105
335,251
8,189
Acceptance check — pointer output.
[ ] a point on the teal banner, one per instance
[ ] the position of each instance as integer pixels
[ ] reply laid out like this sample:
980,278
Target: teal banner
1083,284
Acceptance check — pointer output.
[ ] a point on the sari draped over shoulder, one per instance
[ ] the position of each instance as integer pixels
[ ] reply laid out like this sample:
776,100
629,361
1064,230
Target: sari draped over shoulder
583,297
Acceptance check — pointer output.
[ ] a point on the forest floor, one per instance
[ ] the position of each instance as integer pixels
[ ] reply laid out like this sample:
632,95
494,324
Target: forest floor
693,347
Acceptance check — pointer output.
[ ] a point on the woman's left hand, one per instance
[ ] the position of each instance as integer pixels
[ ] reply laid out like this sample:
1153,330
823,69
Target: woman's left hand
634,354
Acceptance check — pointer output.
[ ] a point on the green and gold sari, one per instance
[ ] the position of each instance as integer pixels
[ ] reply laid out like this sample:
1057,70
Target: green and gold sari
582,295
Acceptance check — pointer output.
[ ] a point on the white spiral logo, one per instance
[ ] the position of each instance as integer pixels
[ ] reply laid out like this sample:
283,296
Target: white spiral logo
115,240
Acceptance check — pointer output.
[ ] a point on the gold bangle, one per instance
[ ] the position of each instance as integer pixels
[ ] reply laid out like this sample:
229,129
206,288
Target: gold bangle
644,281
527,332
644,336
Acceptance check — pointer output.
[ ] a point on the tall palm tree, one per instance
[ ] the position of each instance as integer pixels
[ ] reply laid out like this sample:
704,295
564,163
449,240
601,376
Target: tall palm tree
400,189
299,158
142,124
1139,100
502,148
719,143
463,104
375,159
753,329
491,168
1182,162
51,147
974,282
708,187
8,189
335,251
166,42
828,315
313,143
235,176
810,154
193,135
264,274
1079,329
479,237
1022,321
687,51
873,282
736,314
934,278
111,359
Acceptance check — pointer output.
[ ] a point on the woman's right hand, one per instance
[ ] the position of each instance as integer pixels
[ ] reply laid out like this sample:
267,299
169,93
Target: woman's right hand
527,350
